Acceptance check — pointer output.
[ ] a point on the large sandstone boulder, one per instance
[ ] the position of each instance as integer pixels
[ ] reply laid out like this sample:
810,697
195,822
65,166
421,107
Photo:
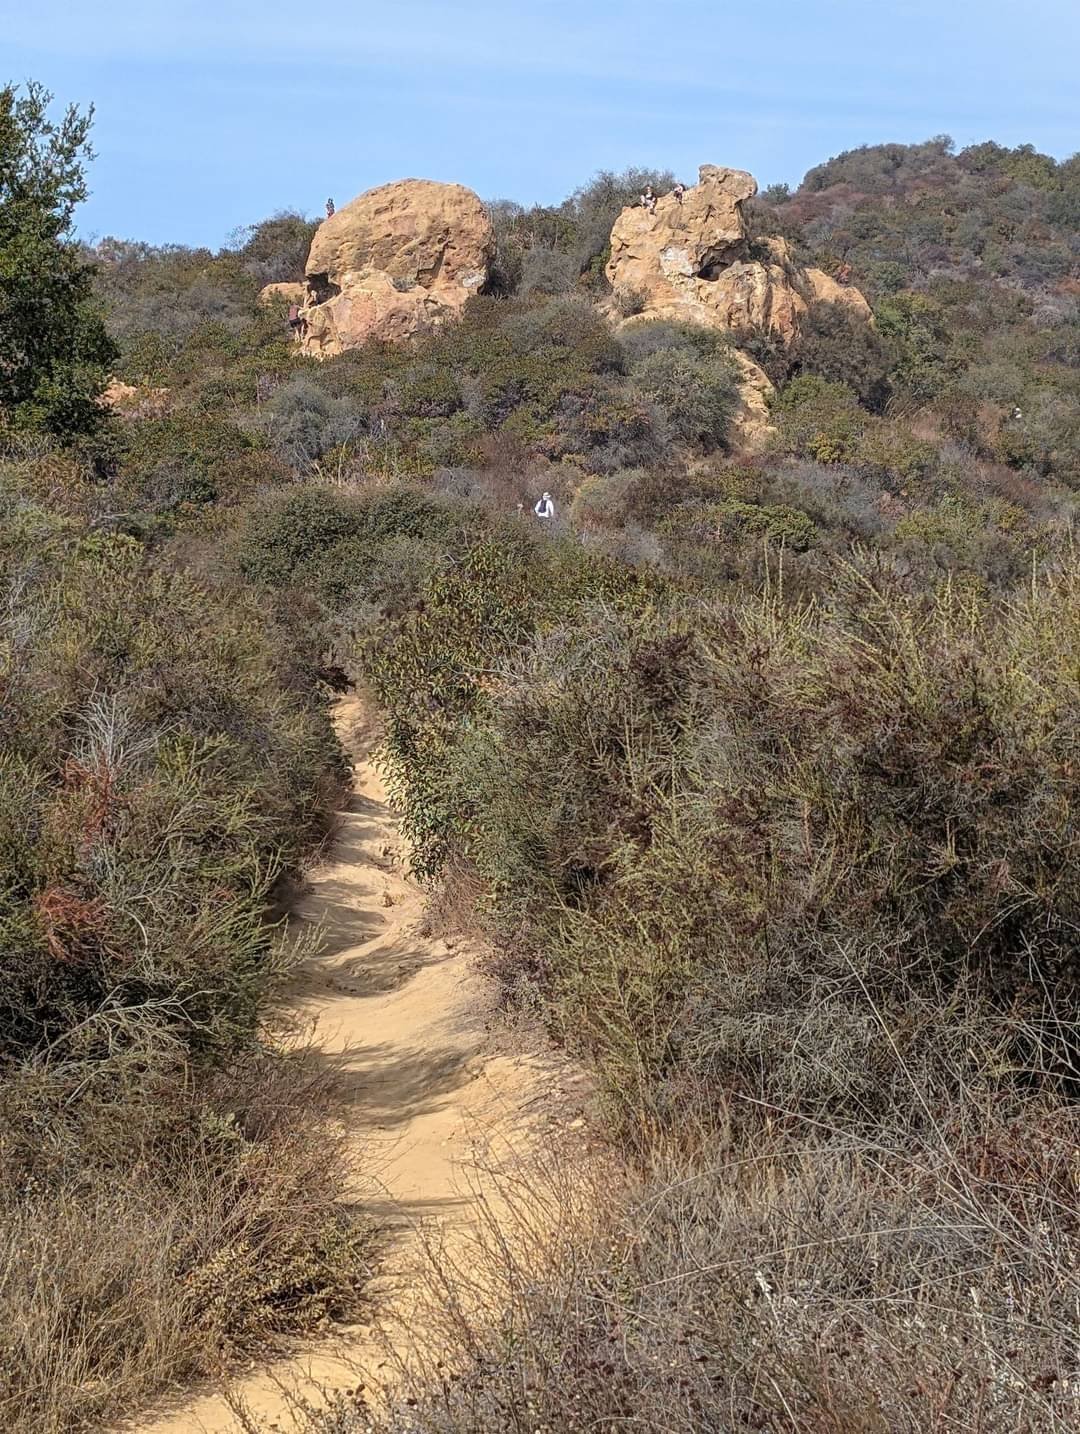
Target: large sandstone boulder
693,262
654,254
399,260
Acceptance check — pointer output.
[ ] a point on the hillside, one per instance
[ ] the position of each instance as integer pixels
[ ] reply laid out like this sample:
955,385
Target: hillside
752,772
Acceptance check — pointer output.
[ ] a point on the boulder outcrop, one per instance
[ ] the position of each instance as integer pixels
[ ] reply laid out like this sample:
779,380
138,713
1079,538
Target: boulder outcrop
398,260
692,260
655,253
282,294
404,258
134,401
750,426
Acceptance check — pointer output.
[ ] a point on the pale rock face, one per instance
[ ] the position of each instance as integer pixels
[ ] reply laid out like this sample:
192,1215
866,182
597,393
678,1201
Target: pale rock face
134,402
399,260
370,306
825,288
659,254
692,262
284,294
752,428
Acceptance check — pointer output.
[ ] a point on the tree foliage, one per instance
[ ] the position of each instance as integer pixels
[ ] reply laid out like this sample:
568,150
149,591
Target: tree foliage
54,350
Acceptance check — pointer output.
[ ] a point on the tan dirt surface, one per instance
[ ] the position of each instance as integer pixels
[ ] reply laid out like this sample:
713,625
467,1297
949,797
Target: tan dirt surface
442,1108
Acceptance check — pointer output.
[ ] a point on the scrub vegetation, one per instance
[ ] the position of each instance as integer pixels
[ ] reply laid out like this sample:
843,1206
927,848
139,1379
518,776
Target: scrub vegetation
756,773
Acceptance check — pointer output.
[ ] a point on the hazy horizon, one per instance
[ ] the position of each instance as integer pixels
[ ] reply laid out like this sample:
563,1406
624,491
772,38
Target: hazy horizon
210,118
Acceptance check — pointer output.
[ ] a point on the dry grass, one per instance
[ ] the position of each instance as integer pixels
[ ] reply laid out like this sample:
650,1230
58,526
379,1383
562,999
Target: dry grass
799,881
170,1193
150,1242
816,1282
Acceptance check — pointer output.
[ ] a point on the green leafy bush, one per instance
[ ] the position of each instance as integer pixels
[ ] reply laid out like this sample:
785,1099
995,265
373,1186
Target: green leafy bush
819,419
275,251
302,423
180,458
54,350
319,540
842,348
697,396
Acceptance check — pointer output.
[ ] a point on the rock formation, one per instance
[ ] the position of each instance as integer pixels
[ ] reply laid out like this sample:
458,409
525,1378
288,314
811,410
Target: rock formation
693,261
404,258
282,294
399,260
750,425
132,401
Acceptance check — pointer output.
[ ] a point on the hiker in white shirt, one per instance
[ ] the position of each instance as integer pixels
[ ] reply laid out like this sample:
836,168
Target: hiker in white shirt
545,508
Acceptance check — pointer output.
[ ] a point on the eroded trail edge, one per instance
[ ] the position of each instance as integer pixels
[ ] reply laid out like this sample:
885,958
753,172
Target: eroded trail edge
446,1109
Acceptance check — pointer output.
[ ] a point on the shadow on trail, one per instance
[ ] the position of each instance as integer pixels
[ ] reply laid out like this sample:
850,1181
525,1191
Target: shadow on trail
386,1087
376,970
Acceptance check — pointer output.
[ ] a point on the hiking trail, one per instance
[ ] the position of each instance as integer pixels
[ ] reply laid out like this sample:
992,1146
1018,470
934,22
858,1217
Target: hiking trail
438,1103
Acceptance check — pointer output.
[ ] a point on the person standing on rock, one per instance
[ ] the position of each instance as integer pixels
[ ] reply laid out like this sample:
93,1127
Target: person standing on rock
545,508
679,191
329,209
296,322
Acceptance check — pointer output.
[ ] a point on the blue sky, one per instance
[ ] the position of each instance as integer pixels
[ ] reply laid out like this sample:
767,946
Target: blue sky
213,115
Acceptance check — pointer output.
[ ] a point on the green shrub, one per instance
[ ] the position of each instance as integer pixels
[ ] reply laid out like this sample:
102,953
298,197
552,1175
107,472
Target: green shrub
841,347
603,425
176,459
607,500
544,271
137,710
929,358
321,541
169,1191
728,520
819,419
302,423
275,251
902,460
697,396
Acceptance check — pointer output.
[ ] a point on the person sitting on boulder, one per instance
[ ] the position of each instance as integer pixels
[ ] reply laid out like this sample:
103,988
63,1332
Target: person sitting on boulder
545,508
679,191
843,274
297,322
648,199
329,209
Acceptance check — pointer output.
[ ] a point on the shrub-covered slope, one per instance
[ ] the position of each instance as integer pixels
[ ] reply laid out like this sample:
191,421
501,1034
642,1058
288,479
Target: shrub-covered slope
757,771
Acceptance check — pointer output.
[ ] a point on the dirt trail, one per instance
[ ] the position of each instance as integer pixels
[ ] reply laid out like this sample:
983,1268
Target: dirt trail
436,1104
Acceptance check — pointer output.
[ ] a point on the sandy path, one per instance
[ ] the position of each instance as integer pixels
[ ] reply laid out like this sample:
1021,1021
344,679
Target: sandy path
431,1093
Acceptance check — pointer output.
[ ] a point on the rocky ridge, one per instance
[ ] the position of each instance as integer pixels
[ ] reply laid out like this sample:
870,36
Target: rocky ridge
404,258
